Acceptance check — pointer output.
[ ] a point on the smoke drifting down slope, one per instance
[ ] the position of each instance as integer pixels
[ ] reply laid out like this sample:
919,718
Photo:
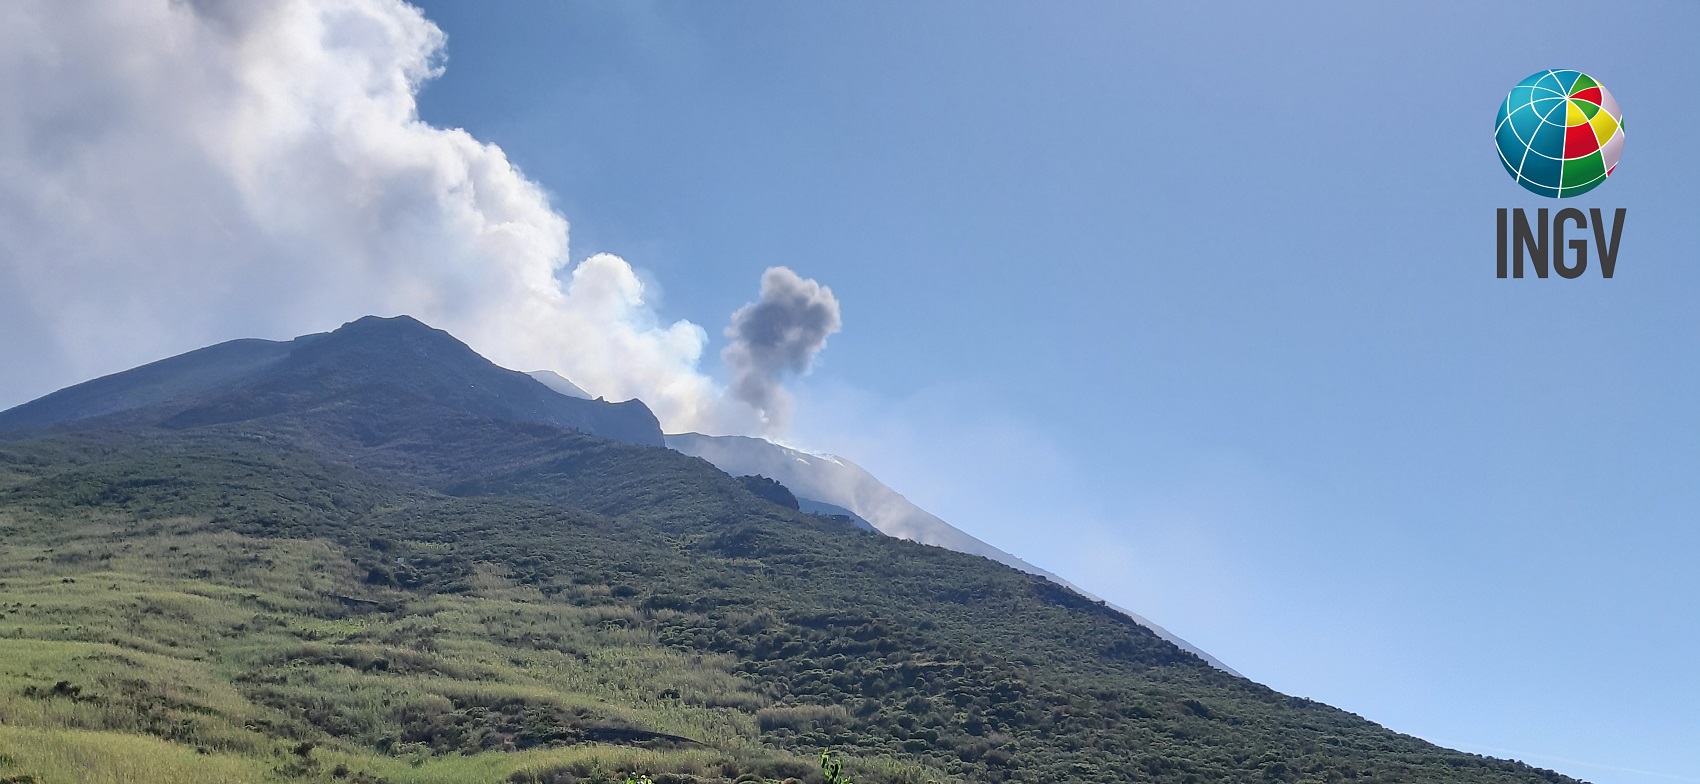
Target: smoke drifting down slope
839,482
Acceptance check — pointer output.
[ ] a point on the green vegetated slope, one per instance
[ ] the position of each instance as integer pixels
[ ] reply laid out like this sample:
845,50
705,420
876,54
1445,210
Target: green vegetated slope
378,588
200,605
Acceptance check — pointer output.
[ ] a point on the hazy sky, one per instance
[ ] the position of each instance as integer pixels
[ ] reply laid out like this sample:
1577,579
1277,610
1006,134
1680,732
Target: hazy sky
1193,305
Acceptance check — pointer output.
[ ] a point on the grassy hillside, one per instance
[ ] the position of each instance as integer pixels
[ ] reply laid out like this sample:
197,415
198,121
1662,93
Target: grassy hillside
412,595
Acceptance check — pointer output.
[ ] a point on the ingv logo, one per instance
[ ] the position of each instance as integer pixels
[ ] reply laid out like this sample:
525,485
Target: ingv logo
1559,134
1534,239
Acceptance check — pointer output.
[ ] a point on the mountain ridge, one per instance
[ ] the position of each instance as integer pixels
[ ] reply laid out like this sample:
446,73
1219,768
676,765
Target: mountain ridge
837,481
328,575
249,378
559,383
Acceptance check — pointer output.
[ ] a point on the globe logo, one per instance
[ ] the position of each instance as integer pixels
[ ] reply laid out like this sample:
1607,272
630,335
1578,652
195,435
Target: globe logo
1560,133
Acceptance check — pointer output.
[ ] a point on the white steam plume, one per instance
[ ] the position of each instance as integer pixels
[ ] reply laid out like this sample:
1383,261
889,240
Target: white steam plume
174,173
781,333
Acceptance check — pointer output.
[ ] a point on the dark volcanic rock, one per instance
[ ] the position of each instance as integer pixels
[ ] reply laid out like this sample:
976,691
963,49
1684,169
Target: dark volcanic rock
375,363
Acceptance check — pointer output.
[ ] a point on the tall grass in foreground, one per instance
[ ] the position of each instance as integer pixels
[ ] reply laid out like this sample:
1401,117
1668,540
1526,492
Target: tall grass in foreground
53,756
176,654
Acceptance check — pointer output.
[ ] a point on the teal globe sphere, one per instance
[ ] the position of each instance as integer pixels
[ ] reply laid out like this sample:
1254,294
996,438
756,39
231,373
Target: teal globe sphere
1560,133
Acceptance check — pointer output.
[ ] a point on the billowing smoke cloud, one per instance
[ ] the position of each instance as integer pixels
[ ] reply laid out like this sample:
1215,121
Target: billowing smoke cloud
779,334
176,172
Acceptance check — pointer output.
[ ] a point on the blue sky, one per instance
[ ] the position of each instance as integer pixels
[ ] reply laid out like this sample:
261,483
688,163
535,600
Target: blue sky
1195,305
